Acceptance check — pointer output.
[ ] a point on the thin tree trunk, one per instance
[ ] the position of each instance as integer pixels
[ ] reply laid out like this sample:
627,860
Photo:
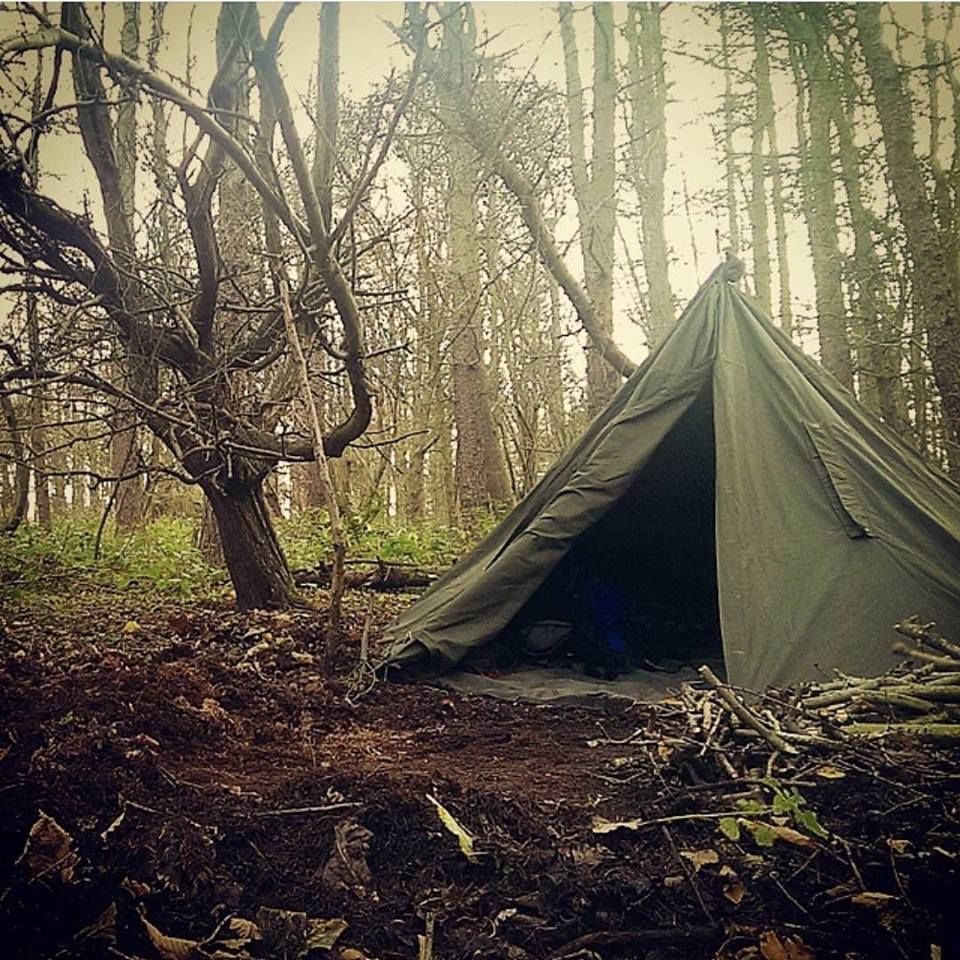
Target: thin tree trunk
595,188
481,480
762,121
648,157
328,104
322,468
817,184
21,482
124,439
729,126
37,453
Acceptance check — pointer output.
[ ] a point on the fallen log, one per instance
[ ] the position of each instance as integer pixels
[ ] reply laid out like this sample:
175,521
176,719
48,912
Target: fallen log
382,576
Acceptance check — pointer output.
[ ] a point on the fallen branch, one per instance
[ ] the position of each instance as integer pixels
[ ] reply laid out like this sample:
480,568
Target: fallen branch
946,663
385,576
292,811
744,713
924,633
643,938
944,732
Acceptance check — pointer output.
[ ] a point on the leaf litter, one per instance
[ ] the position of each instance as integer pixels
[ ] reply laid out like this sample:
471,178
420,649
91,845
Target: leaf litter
168,795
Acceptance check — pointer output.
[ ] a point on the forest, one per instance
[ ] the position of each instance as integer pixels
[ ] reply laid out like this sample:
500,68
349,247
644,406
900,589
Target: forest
304,308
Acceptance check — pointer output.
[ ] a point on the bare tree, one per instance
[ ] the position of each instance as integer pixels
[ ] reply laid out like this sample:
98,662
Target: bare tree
168,321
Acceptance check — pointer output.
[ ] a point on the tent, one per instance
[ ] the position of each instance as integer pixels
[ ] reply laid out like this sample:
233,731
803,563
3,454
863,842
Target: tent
734,480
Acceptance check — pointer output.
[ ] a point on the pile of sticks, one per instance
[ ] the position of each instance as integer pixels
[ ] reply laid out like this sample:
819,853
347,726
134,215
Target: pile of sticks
921,697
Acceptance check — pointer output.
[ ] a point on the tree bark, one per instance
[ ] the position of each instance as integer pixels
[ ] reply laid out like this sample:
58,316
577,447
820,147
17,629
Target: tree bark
251,550
648,158
818,185
480,472
595,187
935,279
21,491
763,120
729,126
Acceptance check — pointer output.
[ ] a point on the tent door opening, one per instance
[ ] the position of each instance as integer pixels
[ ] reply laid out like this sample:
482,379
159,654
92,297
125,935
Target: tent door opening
645,576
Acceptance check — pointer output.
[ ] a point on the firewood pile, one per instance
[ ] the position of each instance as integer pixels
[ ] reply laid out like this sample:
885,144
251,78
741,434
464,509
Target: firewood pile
921,697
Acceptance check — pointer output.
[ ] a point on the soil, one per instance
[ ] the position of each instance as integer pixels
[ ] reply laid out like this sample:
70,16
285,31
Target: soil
203,768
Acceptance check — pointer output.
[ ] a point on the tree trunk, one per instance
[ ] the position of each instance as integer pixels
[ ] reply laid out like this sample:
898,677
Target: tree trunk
124,459
21,494
729,126
934,275
648,158
124,440
762,120
251,550
480,473
819,203
208,539
595,189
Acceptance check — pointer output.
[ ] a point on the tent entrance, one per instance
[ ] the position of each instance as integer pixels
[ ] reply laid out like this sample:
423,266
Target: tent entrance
654,553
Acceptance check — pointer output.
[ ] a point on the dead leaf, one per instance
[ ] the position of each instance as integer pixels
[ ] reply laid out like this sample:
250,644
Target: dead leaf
230,939
790,948
793,836
290,933
872,898
587,856
103,928
829,773
734,892
600,825
169,948
464,839
700,858
48,852
323,934
842,890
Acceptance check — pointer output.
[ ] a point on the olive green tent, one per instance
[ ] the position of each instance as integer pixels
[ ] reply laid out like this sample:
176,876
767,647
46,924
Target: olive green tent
731,478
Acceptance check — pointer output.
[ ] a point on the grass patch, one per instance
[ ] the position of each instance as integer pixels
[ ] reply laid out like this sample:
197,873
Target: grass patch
162,558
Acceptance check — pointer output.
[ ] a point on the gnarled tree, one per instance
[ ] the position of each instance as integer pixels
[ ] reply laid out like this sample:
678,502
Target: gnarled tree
206,385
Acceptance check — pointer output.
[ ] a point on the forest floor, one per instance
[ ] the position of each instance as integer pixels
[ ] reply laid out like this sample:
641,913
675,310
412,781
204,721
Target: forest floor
181,782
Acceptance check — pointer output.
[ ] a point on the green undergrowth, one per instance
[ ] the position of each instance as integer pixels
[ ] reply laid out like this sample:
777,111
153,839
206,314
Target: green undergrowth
162,558
306,540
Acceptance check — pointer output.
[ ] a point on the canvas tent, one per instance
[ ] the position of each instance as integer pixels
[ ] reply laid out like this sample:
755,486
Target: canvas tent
731,478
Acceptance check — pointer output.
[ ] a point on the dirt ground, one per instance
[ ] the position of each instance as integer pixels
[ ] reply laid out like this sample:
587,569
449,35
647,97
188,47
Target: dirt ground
199,771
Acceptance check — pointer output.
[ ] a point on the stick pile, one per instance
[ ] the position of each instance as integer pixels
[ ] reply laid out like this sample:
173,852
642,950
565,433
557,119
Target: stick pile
921,697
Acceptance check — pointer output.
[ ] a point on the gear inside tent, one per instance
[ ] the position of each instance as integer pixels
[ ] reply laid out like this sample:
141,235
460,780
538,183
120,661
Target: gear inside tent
732,505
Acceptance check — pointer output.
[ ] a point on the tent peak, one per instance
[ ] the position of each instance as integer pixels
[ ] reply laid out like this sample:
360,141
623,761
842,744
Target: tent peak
733,268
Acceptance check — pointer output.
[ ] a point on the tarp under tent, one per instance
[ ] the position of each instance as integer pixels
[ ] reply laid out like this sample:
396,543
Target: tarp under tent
737,486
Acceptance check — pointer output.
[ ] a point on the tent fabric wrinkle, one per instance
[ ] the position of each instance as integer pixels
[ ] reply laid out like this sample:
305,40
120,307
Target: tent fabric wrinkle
735,481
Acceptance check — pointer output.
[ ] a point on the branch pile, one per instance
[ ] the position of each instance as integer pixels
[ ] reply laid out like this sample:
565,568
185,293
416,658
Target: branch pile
923,700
